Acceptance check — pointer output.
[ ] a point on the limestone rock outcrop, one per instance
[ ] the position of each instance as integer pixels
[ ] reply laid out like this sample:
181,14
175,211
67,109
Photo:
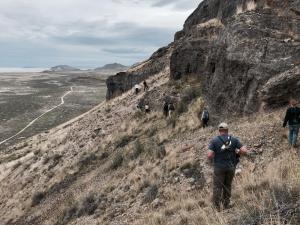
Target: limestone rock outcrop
235,47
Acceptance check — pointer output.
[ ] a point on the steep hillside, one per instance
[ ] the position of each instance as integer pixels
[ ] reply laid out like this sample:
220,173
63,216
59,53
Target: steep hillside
116,165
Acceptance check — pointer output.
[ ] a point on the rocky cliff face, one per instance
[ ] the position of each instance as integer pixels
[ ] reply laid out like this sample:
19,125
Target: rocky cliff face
233,47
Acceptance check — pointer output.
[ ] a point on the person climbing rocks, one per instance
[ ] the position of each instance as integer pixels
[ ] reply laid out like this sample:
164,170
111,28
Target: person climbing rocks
171,109
224,152
292,118
205,118
137,88
147,108
140,105
146,87
166,109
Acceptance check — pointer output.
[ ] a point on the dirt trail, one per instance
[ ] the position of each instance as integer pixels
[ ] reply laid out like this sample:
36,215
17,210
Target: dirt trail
33,121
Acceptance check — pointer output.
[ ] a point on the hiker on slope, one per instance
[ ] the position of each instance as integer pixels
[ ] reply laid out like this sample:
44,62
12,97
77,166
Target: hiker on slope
146,87
224,152
171,109
292,118
205,118
166,109
137,89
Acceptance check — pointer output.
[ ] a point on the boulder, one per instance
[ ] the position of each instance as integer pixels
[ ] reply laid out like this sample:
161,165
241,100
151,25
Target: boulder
279,89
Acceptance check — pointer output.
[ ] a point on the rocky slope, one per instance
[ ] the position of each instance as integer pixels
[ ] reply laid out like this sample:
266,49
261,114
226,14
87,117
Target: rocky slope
116,165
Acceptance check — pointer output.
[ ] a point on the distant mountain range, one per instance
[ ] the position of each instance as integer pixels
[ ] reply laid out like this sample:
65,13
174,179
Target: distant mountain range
63,68
112,67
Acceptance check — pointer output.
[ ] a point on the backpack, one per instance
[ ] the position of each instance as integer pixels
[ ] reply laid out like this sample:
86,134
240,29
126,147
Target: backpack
226,144
227,147
205,115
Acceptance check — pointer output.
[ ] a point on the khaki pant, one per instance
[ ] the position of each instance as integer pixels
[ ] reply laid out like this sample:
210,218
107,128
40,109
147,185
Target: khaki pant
222,187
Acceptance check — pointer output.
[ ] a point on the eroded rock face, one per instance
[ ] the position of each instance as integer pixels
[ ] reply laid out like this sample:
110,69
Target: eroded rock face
235,47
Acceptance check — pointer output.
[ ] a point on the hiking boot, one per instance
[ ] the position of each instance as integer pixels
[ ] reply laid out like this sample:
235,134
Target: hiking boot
229,206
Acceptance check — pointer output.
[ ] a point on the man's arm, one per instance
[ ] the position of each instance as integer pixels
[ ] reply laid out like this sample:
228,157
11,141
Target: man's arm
243,151
210,154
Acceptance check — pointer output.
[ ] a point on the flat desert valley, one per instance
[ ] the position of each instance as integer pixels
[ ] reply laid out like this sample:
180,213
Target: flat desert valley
31,103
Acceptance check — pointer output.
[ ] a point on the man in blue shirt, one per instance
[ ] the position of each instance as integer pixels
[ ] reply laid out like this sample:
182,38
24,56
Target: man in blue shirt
224,151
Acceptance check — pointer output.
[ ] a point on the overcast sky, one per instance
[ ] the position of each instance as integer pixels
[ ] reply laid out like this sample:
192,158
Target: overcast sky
87,33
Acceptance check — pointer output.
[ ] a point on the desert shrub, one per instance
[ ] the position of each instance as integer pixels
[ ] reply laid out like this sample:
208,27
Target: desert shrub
138,114
85,207
145,184
188,96
37,198
151,132
191,93
151,193
117,161
137,150
88,206
177,84
160,152
37,152
55,160
103,155
46,160
87,159
123,141
270,202
182,107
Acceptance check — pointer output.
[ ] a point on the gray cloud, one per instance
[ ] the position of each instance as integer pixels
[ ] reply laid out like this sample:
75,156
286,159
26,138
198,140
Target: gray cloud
87,32
178,4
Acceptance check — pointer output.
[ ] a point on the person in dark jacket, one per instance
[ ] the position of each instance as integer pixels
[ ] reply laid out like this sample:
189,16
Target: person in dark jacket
224,151
166,109
146,87
205,118
292,118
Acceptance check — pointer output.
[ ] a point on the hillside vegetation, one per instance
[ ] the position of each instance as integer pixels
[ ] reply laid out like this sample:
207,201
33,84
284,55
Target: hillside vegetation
116,165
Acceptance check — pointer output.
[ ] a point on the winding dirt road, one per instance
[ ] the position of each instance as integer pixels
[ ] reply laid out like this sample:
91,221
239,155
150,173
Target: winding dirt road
33,121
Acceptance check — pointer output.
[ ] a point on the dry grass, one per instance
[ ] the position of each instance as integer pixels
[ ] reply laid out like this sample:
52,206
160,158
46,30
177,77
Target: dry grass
270,198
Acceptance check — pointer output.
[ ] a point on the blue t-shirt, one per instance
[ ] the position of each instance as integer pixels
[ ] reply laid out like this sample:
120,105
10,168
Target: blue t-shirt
225,157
